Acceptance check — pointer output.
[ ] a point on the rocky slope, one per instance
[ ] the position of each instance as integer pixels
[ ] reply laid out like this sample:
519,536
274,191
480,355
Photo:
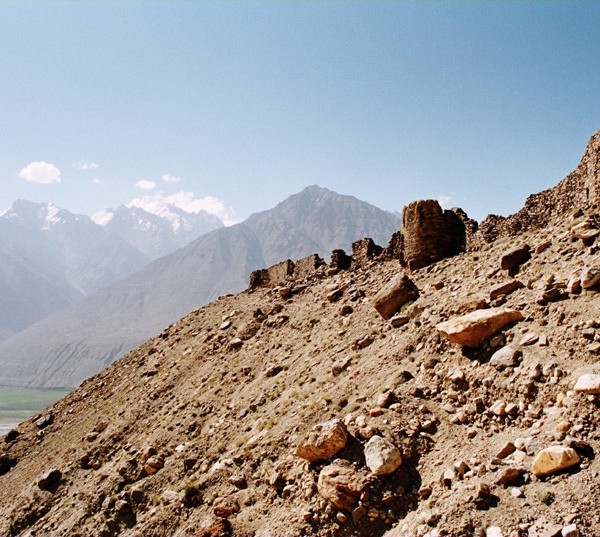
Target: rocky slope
72,344
206,428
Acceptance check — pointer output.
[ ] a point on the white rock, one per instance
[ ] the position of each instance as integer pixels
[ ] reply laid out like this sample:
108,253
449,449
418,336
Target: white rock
588,383
381,456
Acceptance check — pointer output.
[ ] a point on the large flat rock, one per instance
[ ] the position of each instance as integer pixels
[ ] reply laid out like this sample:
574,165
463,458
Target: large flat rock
475,328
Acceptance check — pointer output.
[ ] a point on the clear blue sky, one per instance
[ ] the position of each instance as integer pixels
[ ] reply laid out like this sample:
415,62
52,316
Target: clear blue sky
249,102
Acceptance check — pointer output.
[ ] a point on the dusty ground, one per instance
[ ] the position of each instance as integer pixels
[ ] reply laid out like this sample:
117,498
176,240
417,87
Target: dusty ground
195,431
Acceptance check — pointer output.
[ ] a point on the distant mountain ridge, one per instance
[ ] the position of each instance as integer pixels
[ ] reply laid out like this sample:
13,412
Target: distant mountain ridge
74,343
51,258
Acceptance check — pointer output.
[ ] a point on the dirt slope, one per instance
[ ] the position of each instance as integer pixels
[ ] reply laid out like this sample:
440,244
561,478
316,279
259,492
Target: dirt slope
195,432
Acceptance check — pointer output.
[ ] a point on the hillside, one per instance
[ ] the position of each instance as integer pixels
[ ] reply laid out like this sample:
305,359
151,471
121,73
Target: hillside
203,430
74,343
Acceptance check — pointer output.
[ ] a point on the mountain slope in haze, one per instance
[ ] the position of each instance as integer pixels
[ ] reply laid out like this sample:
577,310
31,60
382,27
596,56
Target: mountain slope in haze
51,258
72,344
81,252
157,235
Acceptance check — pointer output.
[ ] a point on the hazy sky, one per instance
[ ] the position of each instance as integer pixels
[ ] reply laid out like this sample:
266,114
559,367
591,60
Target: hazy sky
235,106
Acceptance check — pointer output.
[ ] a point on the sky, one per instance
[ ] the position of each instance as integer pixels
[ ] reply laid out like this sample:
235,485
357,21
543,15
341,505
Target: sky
233,106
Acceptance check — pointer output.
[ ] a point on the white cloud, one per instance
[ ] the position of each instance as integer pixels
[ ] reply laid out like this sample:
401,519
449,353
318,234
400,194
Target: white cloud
168,178
85,165
444,201
97,181
40,172
145,185
186,201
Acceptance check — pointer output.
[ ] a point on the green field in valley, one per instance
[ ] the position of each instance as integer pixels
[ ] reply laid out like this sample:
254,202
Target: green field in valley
18,404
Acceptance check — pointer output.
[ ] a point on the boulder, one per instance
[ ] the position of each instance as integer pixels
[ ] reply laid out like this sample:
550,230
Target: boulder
341,485
554,459
394,295
475,328
585,230
515,257
588,383
323,441
50,480
381,456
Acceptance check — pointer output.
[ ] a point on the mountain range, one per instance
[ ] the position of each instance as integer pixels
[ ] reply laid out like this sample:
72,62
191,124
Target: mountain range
51,258
67,346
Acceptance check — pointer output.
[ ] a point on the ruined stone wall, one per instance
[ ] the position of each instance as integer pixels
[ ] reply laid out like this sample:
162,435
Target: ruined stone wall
363,251
274,275
430,234
340,260
306,266
395,248
579,190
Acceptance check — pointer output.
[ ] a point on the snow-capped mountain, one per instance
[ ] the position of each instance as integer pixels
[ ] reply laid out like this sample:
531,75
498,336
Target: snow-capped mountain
156,235
50,258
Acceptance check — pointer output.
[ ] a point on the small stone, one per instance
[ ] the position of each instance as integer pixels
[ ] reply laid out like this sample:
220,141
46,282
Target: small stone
394,295
335,295
585,230
236,343
570,531
399,320
506,450
341,485
122,507
475,328
358,514
225,325
590,276
498,408
457,376
529,339
554,459
508,476
448,476
543,247
517,492
154,464
381,456
594,347
339,366
515,257
285,292
505,288
50,480
225,507
507,356
11,435
493,531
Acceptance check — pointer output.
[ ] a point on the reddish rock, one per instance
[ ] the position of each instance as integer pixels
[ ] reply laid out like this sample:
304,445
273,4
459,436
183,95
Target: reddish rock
341,485
323,441
394,295
475,328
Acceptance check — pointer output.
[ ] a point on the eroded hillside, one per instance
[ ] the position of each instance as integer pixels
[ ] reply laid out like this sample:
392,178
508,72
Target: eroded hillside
209,428
202,421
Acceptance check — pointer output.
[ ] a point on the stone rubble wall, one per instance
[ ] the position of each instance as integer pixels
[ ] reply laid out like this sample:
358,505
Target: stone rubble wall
580,190
430,234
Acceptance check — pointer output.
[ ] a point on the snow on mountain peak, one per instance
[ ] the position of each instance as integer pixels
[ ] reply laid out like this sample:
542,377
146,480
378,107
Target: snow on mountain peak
103,217
174,207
